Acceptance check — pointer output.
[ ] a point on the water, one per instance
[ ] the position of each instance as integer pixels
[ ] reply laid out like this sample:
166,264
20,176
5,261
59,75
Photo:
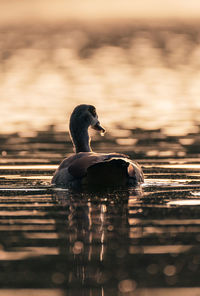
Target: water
128,71
141,241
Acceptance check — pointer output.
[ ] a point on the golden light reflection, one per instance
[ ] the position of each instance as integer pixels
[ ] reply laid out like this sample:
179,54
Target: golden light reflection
28,252
41,235
45,73
195,193
187,202
186,166
28,167
32,292
26,177
186,291
126,141
166,182
127,286
159,249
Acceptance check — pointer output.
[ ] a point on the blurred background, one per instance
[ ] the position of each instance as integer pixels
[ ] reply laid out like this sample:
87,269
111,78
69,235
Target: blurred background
137,61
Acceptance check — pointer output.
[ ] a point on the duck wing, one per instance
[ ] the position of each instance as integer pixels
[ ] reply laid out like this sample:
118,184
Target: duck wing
78,167
110,165
80,162
62,176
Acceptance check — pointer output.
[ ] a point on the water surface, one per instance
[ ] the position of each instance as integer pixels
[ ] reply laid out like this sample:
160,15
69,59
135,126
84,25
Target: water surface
144,82
142,241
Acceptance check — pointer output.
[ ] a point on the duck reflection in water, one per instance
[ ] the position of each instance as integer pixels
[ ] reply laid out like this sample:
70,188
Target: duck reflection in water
97,235
87,169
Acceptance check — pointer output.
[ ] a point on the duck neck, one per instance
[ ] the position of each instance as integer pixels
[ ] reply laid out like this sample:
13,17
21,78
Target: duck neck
80,139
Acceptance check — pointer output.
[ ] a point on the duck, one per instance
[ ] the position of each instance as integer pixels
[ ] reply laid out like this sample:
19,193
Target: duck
86,168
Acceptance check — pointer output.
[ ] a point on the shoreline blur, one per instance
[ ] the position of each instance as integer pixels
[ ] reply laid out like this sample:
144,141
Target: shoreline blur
137,75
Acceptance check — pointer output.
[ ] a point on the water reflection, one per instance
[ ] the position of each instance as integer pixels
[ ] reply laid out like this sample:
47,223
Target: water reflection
189,202
123,241
100,244
91,227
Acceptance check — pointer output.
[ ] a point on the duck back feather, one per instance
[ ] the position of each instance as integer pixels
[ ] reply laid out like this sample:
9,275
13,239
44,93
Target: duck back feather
98,169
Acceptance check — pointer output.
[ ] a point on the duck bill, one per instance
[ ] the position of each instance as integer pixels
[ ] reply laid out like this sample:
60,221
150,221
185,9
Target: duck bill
99,128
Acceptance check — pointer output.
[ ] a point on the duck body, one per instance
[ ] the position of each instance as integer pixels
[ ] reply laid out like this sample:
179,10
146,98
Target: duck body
86,168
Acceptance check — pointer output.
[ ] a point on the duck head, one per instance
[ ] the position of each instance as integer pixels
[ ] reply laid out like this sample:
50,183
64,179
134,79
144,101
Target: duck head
85,116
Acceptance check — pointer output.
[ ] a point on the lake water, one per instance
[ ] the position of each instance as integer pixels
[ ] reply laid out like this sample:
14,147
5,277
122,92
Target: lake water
144,82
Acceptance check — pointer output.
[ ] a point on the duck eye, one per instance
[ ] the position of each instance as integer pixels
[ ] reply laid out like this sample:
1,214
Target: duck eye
92,110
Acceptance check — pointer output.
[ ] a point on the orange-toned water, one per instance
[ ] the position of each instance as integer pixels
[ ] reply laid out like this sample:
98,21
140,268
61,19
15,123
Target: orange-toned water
144,83
143,240
136,75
